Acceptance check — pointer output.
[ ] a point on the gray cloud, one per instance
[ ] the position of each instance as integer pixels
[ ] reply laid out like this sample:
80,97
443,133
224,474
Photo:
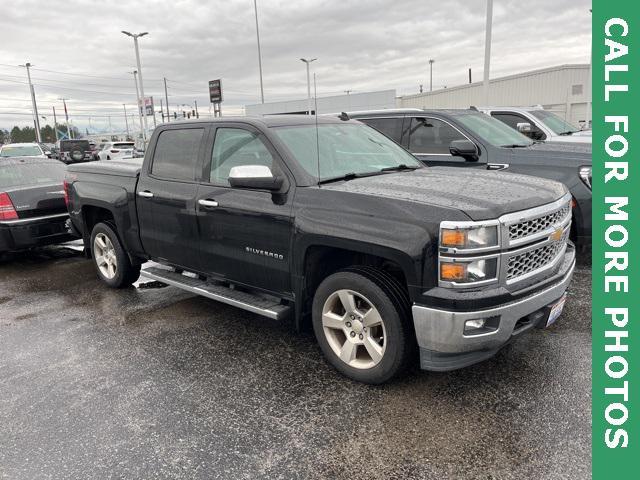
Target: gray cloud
361,46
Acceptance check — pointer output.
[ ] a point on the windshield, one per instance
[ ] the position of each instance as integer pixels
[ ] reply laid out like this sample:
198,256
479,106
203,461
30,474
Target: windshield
556,124
344,149
17,174
493,131
20,151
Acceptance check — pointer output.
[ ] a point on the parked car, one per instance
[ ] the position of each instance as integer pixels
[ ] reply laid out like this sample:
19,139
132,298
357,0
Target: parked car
74,151
380,253
32,203
470,139
116,150
539,124
21,150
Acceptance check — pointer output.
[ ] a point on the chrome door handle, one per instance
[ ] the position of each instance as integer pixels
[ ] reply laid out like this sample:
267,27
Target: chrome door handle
145,194
497,166
205,202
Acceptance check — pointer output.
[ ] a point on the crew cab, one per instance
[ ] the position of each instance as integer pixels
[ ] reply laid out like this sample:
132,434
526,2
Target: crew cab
470,139
328,223
539,124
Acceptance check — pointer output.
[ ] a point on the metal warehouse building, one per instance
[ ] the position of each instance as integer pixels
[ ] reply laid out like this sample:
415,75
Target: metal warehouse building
564,89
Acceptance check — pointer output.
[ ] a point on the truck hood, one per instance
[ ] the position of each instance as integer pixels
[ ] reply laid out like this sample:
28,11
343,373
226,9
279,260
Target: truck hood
567,153
481,194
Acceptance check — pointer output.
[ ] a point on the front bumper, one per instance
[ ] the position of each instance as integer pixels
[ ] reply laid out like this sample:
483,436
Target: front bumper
25,233
444,344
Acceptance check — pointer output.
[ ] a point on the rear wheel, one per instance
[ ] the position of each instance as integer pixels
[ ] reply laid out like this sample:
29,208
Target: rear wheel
112,263
361,324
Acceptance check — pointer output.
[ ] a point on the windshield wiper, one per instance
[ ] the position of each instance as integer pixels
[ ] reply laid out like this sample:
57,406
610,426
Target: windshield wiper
399,168
346,176
568,132
515,145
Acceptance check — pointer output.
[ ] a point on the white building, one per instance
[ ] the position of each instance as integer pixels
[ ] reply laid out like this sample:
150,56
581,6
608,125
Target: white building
564,89
335,104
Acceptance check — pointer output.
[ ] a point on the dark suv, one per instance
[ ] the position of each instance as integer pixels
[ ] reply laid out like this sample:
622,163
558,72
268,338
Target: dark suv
471,139
75,151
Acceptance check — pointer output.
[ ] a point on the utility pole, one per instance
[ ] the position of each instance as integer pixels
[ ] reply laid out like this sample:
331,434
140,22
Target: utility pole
195,102
166,98
431,60
487,53
34,106
469,75
66,116
126,122
308,61
55,124
135,80
162,109
135,44
255,7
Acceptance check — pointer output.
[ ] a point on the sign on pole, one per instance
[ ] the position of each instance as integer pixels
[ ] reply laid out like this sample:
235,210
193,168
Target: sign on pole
148,106
215,91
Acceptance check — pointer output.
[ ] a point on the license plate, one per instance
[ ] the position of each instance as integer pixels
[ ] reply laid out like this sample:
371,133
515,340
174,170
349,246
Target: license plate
556,311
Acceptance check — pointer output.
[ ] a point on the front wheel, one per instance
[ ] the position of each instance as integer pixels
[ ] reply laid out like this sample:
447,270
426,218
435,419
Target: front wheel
360,319
112,263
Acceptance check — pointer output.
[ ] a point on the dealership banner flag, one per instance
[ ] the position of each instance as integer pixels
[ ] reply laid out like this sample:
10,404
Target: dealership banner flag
616,239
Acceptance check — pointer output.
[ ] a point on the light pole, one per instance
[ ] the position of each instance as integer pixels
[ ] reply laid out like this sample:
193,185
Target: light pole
33,102
487,53
135,80
255,7
126,122
431,60
135,37
308,61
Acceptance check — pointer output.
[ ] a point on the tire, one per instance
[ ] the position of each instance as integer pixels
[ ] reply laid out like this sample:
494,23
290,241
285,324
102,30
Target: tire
76,154
112,263
338,328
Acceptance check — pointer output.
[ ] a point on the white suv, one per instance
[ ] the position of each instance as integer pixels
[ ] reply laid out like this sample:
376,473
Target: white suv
538,124
116,150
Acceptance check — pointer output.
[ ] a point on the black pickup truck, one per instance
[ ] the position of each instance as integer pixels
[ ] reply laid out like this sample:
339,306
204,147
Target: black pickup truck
333,225
472,139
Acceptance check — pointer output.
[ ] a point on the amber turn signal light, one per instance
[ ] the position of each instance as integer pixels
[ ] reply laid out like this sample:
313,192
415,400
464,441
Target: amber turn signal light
452,272
454,238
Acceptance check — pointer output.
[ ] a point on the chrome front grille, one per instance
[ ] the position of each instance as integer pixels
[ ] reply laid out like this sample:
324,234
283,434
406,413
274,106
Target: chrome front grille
532,260
532,226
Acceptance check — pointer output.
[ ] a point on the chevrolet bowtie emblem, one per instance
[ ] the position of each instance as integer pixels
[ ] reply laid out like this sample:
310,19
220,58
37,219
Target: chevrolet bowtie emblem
557,235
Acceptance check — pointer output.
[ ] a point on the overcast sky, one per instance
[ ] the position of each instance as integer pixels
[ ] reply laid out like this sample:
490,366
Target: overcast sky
79,53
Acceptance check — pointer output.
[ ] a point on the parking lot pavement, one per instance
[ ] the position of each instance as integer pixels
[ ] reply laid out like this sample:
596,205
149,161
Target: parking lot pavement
155,383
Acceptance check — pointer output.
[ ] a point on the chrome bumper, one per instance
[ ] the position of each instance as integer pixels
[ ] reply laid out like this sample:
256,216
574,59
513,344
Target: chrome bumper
442,331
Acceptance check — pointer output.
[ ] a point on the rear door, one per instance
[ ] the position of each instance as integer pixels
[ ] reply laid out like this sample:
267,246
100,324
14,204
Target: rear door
429,139
245,235
166,196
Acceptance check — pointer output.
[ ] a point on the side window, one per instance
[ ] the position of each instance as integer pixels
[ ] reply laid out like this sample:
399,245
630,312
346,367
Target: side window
431,136
513,120
176,153
233,147
390,127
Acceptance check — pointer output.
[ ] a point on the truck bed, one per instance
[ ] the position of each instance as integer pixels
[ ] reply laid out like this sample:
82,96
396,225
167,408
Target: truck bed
123,168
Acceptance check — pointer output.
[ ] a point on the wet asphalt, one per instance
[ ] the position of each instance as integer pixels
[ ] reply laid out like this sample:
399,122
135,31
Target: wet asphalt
151,382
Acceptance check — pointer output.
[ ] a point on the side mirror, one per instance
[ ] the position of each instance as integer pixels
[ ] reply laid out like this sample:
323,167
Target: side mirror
258,177
463,148
523,127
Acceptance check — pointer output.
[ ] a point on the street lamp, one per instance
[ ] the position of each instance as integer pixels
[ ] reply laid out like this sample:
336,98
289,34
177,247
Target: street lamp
308,61
34,106
431,61
255,7
135,37
135,80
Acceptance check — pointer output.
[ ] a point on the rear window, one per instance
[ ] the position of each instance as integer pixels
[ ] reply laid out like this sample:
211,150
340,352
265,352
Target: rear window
176,153
41,173
123,145
20,151
66,145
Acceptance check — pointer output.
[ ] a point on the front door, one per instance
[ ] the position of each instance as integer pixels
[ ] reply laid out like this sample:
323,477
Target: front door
166,196
245,235
429,140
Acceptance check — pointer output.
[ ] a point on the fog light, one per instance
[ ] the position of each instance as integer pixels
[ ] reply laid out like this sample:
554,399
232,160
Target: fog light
474,324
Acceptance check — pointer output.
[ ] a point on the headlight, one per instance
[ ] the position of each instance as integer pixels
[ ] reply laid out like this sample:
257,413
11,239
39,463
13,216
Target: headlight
469,238
467,271
585,175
